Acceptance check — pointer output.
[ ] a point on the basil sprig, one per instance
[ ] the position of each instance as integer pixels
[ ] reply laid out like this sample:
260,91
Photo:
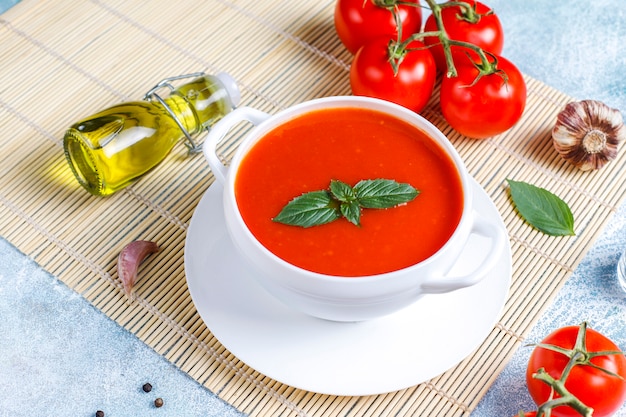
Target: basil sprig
341,200
542,209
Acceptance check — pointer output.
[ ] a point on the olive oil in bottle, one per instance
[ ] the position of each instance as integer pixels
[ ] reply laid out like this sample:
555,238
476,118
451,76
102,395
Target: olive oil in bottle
113,148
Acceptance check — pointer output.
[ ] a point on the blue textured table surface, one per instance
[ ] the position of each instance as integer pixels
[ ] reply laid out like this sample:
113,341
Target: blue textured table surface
60,356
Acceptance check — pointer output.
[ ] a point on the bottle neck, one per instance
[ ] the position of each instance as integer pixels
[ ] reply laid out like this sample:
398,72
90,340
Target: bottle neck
184,113
207,99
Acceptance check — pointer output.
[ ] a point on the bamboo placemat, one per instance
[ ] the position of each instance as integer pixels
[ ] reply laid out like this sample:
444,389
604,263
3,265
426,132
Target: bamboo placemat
62,60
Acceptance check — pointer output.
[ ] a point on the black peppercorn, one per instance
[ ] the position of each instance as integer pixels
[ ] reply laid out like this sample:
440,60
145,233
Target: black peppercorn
147,387
99,413
158,402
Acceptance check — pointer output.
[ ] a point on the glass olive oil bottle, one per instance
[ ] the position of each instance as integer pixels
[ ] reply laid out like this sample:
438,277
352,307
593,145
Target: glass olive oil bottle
113,148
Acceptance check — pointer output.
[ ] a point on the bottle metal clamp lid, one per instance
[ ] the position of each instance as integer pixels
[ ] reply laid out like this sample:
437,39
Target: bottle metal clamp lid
225,79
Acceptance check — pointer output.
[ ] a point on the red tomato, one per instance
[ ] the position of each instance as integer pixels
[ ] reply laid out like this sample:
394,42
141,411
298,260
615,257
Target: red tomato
486,33
357,22
372,75
487,107
596,389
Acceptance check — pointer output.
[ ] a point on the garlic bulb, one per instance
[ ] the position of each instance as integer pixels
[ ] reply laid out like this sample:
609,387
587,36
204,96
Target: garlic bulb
587,134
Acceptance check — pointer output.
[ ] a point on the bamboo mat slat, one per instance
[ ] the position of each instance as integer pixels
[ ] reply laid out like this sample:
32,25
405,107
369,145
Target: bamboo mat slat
63,60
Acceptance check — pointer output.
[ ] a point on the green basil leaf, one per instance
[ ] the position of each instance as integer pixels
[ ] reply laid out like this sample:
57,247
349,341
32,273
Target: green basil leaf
382,194
320,207
342,191
542,209
309,209
352,212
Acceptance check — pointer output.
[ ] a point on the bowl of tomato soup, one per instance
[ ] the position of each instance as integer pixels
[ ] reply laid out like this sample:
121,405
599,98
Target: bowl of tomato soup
380,206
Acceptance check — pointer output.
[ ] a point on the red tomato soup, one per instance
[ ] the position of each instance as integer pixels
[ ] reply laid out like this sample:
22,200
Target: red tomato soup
350,144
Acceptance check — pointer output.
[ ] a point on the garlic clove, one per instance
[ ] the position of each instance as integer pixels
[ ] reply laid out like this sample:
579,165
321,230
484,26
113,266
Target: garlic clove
129,260
587,134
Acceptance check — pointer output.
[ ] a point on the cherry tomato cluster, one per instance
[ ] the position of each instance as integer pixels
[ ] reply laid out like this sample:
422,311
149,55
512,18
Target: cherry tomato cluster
482,93
576,371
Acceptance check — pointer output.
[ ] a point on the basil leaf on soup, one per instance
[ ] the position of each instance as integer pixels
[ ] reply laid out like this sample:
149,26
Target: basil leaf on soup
320,207
382,193
342,191
352,212
309,209
542,209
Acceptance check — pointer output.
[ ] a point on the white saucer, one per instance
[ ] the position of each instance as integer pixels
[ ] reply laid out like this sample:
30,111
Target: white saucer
366,358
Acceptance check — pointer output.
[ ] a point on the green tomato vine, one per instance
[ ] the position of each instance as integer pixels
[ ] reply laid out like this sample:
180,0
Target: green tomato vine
578,356
397,49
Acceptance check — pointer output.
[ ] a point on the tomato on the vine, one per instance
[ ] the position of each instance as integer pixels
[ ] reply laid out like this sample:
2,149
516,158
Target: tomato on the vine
600,390
372,75
480,106
486,32
357,22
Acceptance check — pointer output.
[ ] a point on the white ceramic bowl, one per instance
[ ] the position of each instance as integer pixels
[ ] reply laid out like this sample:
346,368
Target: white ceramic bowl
338,298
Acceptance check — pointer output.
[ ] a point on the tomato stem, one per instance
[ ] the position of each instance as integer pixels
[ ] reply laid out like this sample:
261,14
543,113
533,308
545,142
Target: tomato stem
398,49
578,355
469,14
468,11
565,397
393,3
387,4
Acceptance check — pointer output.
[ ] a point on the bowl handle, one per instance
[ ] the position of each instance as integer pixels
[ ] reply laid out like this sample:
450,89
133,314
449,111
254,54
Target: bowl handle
482,227
220,129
